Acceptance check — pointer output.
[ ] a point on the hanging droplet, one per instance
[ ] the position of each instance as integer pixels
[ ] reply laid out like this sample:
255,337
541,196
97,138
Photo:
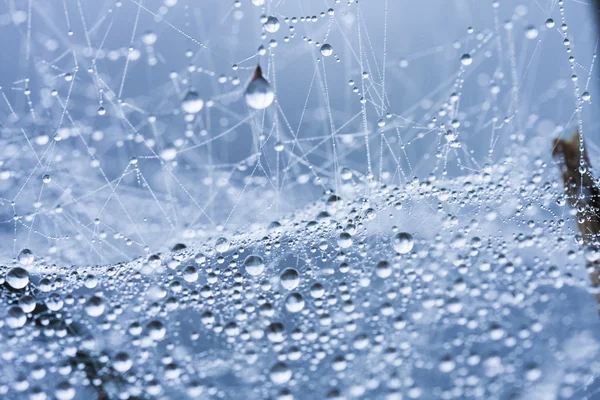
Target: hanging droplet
259,93
272,24
192,103
149,38
586,96
466,59
15,317
326,50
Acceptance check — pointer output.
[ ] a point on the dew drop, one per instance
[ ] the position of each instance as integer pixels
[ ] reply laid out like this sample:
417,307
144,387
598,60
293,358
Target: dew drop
222,244
326,50
345,240
168,154
254,265
466,60
15,317
259,93
192,103
272,24
190,274
94,307
294,303
403,242
280,373
531,32
25,257
122,362
289,279
17,278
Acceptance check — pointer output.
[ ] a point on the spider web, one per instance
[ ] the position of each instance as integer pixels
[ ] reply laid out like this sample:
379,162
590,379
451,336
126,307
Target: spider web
145,172
434,118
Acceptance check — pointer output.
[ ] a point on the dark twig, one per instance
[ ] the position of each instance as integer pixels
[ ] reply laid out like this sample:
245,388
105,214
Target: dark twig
583,195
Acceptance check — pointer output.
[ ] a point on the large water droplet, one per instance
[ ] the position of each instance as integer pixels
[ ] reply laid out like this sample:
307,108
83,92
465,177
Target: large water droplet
254,265
259,93
17,278
272,24
403,242
25,257
326,50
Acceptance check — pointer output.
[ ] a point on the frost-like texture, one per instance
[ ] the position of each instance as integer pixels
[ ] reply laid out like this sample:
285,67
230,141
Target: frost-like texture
387,223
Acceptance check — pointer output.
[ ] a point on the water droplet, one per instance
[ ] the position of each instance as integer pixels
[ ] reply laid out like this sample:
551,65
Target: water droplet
94,307
532,372
466,60
156,330
447,364
64,391
294,303
531,32
54,302
15,317
259,93
17,278
192,103
403,242
27,303
280,373
289,279
272,24
25,257
122,362
254,265
383,269
168,154
585,96
222,244
190,274
326,50
149,38
345,240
